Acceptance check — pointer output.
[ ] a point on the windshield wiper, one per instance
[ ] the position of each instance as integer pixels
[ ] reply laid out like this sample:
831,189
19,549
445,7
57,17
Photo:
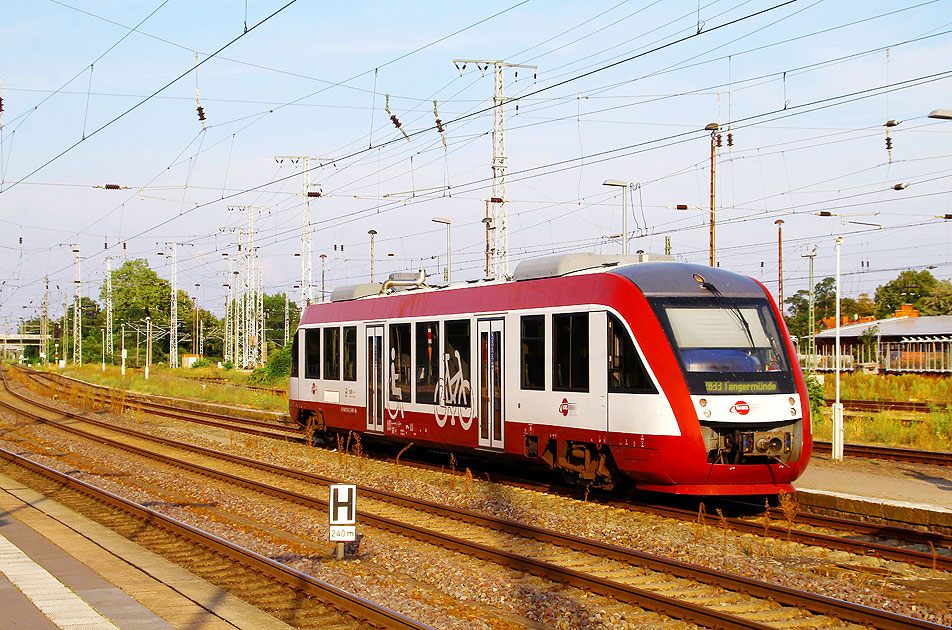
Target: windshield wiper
732,308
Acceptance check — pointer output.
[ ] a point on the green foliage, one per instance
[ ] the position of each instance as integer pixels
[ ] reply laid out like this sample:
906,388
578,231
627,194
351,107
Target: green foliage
824,297
932,431
816,395
228,365
202,363
910,287
277,370
940,302
858,386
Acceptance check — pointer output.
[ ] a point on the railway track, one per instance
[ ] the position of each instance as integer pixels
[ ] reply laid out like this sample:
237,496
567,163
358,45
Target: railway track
891,453
106,396
926,549
294,597
614,562
890,405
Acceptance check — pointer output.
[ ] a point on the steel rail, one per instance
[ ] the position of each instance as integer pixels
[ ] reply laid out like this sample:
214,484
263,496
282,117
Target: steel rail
888,552
197,415
358,607
890,405
821,604
891,453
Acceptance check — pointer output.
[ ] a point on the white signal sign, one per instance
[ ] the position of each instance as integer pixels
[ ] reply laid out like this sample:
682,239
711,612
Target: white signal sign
343,513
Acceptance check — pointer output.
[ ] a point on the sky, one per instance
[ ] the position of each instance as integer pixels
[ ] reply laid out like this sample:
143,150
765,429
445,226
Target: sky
103,92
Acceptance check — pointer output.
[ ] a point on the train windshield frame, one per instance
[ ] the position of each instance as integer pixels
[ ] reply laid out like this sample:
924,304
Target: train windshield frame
727,345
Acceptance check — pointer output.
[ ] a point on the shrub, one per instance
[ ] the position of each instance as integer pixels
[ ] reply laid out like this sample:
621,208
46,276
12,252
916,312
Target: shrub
202,363
277,369
815,392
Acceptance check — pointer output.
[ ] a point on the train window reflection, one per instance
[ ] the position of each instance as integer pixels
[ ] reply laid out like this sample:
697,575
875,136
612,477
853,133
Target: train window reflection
312,353
400,362
737,340
626,372
570,352
456,357
350,353
427,361
332,353
294,354
532,345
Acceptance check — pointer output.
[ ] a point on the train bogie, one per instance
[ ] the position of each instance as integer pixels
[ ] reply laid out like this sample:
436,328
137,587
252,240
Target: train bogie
677,377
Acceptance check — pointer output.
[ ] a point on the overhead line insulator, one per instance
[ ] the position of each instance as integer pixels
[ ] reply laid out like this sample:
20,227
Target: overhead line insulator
393,118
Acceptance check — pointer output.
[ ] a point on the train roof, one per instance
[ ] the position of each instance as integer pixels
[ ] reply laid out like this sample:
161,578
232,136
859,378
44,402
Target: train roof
653,274
685,279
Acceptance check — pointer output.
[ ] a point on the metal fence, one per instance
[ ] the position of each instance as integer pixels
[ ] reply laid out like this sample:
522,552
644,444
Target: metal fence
927,356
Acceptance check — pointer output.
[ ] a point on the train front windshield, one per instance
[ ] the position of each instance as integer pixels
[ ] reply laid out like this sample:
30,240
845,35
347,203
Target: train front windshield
727,345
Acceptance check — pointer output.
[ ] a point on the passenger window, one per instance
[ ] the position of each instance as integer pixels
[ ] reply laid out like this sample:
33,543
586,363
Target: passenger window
427,361
332,353
456,363
294,354
312,353
350,353
533,352
570,352
400,362
626,372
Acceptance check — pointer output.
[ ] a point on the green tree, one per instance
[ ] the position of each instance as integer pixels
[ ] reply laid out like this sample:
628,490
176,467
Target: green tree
940,302
910,287
138,292
274,318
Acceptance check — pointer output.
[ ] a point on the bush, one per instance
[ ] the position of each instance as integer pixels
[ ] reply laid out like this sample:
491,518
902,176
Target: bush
202,363
815,393
277,369
228,365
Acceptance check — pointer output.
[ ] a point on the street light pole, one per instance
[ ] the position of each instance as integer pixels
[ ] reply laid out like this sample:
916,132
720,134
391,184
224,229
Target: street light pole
448,259
323,258
779,224
372,234
103,331
838,432
148,345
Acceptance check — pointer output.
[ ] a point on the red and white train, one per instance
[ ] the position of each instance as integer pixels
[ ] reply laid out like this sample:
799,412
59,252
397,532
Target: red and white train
679,377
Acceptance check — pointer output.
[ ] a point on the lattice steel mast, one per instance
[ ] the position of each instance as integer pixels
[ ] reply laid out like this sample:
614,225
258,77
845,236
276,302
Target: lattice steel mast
499,249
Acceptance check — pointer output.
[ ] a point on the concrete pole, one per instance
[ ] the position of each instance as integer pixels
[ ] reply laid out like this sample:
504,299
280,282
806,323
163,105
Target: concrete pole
838,430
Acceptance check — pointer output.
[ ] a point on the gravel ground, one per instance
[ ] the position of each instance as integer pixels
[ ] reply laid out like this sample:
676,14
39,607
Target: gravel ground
448,590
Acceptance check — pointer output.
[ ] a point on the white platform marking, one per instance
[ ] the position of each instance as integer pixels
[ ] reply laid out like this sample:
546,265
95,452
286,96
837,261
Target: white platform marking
61,605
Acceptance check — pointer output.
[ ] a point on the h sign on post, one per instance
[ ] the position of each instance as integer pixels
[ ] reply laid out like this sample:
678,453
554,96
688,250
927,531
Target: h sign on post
343,513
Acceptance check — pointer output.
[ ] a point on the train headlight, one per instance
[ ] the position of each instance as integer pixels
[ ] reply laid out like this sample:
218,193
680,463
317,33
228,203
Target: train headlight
793,411
791,401
707,413
702,402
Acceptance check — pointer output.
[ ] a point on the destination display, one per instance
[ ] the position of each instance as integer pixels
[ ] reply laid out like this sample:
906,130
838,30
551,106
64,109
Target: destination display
740,387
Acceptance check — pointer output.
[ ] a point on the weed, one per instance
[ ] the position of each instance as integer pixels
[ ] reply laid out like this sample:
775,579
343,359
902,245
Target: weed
468,483
725,527
340,451
402,451
790,507
763,541
358,450
700,524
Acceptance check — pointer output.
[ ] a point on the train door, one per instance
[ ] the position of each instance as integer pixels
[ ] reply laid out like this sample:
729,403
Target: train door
491,391
375,363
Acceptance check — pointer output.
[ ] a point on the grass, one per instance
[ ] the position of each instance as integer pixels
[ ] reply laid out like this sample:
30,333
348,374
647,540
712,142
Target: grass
903,387
928,432
164,381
